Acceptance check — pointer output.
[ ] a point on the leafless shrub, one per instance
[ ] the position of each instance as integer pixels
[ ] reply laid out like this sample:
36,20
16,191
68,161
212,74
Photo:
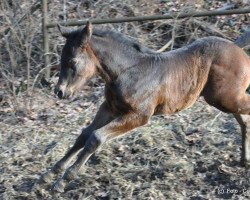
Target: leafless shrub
19,53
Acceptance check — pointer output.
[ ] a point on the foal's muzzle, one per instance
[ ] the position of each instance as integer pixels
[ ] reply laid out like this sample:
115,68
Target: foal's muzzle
60,93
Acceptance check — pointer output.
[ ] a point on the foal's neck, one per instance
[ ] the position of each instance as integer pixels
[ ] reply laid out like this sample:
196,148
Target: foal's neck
114,56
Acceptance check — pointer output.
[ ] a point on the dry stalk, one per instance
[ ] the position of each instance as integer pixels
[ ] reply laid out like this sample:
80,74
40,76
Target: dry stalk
165,46
64,11
13,66
28,57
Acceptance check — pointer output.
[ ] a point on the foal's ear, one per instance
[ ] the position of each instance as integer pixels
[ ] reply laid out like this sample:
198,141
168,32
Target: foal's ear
89,29
65,31
86,33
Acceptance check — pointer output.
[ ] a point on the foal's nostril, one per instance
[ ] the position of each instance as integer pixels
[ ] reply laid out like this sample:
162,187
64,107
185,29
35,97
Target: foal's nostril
56,90
60,94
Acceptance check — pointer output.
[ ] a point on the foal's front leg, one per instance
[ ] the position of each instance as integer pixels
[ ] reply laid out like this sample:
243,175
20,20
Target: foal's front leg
102,117
117,127
244,121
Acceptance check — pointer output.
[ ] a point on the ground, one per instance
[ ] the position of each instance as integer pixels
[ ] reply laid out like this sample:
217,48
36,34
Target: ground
194,154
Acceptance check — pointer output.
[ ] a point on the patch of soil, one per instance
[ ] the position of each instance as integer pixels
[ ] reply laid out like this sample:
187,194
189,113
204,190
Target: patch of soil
194,154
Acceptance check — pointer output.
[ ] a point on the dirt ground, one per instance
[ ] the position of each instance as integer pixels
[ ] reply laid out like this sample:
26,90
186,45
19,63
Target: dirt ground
193,155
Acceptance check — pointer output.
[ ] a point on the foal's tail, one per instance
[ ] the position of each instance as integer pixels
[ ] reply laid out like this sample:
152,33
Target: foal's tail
244,40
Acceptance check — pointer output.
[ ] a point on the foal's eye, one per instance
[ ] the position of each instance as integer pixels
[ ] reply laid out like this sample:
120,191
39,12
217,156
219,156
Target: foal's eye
73,71
73,68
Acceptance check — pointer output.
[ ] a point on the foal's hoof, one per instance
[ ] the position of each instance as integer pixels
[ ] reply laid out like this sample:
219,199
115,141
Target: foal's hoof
58,186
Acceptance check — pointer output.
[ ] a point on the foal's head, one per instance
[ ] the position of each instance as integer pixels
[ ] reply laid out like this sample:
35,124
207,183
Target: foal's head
78,62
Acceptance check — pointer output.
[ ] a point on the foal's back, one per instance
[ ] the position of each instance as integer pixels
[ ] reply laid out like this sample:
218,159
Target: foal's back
213,67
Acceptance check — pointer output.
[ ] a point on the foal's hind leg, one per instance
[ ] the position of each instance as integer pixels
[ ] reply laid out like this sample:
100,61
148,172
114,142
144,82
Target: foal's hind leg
102,118
244,121
226,90
239,105
115,128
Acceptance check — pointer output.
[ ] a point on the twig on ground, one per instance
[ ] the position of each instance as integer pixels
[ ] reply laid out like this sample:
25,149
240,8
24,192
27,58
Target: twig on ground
227,6
215,118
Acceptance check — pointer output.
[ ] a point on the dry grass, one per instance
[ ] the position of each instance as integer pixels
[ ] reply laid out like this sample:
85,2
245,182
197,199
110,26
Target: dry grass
187,155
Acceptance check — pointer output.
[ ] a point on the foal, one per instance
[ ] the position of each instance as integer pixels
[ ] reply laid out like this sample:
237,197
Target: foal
141,83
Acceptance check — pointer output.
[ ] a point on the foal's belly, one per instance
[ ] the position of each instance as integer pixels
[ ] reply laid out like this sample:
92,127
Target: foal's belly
176,103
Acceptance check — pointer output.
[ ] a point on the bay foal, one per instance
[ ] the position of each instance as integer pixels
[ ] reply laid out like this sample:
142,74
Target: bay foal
141,83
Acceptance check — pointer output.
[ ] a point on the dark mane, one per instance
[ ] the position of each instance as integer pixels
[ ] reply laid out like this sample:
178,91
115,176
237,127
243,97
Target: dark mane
121,38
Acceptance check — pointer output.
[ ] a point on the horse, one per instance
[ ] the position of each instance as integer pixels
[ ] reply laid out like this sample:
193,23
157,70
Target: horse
140,83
